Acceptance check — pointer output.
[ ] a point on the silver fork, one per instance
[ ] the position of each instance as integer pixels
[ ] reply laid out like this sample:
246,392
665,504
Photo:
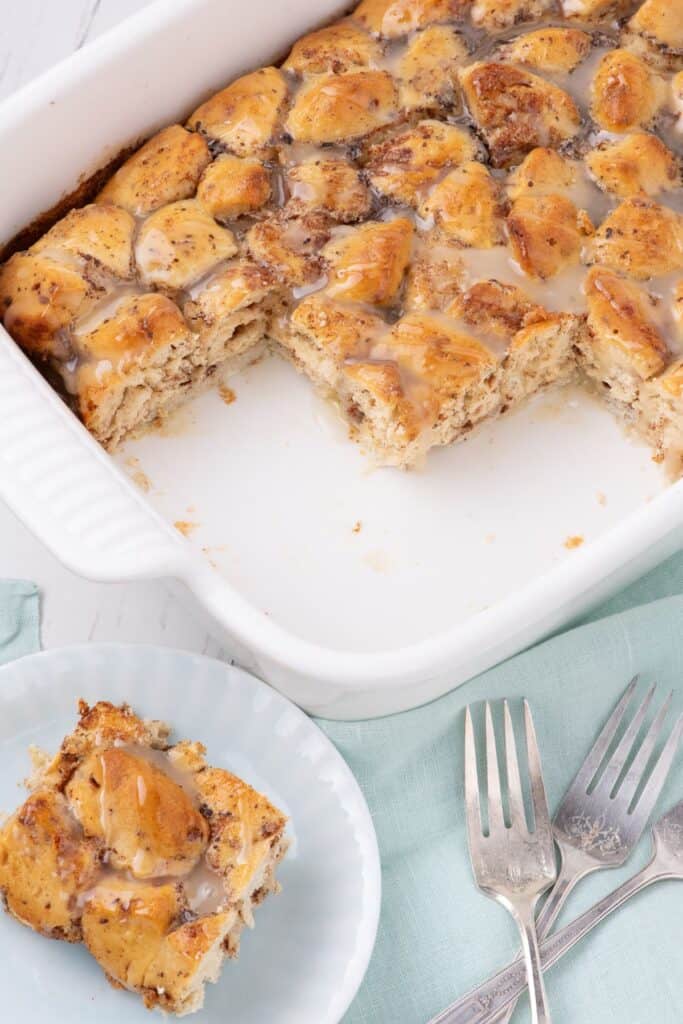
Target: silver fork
666,864
592,829
512,864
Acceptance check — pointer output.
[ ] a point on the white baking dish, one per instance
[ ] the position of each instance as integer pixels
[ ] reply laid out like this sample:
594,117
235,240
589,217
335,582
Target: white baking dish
450,569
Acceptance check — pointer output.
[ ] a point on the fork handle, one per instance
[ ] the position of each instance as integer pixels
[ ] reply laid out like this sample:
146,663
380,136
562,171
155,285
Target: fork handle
540,1014
572,870
483,1004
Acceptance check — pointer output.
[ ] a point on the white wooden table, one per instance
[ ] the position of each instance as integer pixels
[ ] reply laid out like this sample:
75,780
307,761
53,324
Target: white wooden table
37,34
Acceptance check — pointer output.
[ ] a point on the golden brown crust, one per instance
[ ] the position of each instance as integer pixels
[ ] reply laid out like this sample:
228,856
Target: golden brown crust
625,93
367,264
290,245
516,110
45,862
467,205
622,325
428,70
165,169
341,329
146,821
179,244
333,186
405,164
98,237
542,172
232,186
550,49
139,324
656,30
393,18
546,233
245,115
637,165
341,108
40,299
435,274
242,283
337,48
499,14
495,308
125,925
640,238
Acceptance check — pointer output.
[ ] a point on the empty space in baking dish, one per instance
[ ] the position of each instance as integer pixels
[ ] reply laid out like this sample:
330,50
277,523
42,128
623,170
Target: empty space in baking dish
271,492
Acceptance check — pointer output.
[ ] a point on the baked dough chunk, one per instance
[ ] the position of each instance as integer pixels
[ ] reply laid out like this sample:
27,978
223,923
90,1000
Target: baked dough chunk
165,169
45,863
232,186
147,822
639,238
517,111
394,18
40,298
499,14
179,244
623,344
339,108
542,172
435,275
594,10
98,239
367,263
404,165
660,416
495,308
75,265
626,94
233,306
142,360
555,50
341,47
290,245
656,32
546,233
142,851
331,185
427,70
245,116
466,205
637,165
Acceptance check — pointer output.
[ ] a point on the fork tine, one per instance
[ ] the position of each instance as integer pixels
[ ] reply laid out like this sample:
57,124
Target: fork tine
653,787
495,799
616,763
635,774
515,796
472,805
595,756
538,796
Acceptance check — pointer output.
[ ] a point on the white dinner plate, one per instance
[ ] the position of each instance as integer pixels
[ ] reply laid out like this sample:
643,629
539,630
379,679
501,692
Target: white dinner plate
310,948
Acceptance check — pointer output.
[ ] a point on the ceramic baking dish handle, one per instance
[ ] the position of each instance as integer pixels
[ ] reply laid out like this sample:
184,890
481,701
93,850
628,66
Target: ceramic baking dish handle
59,482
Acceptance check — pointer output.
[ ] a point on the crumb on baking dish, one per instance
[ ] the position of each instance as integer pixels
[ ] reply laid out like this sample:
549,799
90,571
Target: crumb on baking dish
227,395
142,481
602,498
357,526
185,527
573,542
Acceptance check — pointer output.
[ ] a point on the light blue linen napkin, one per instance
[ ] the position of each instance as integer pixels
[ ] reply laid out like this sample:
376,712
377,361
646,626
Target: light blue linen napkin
19,619
438,936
